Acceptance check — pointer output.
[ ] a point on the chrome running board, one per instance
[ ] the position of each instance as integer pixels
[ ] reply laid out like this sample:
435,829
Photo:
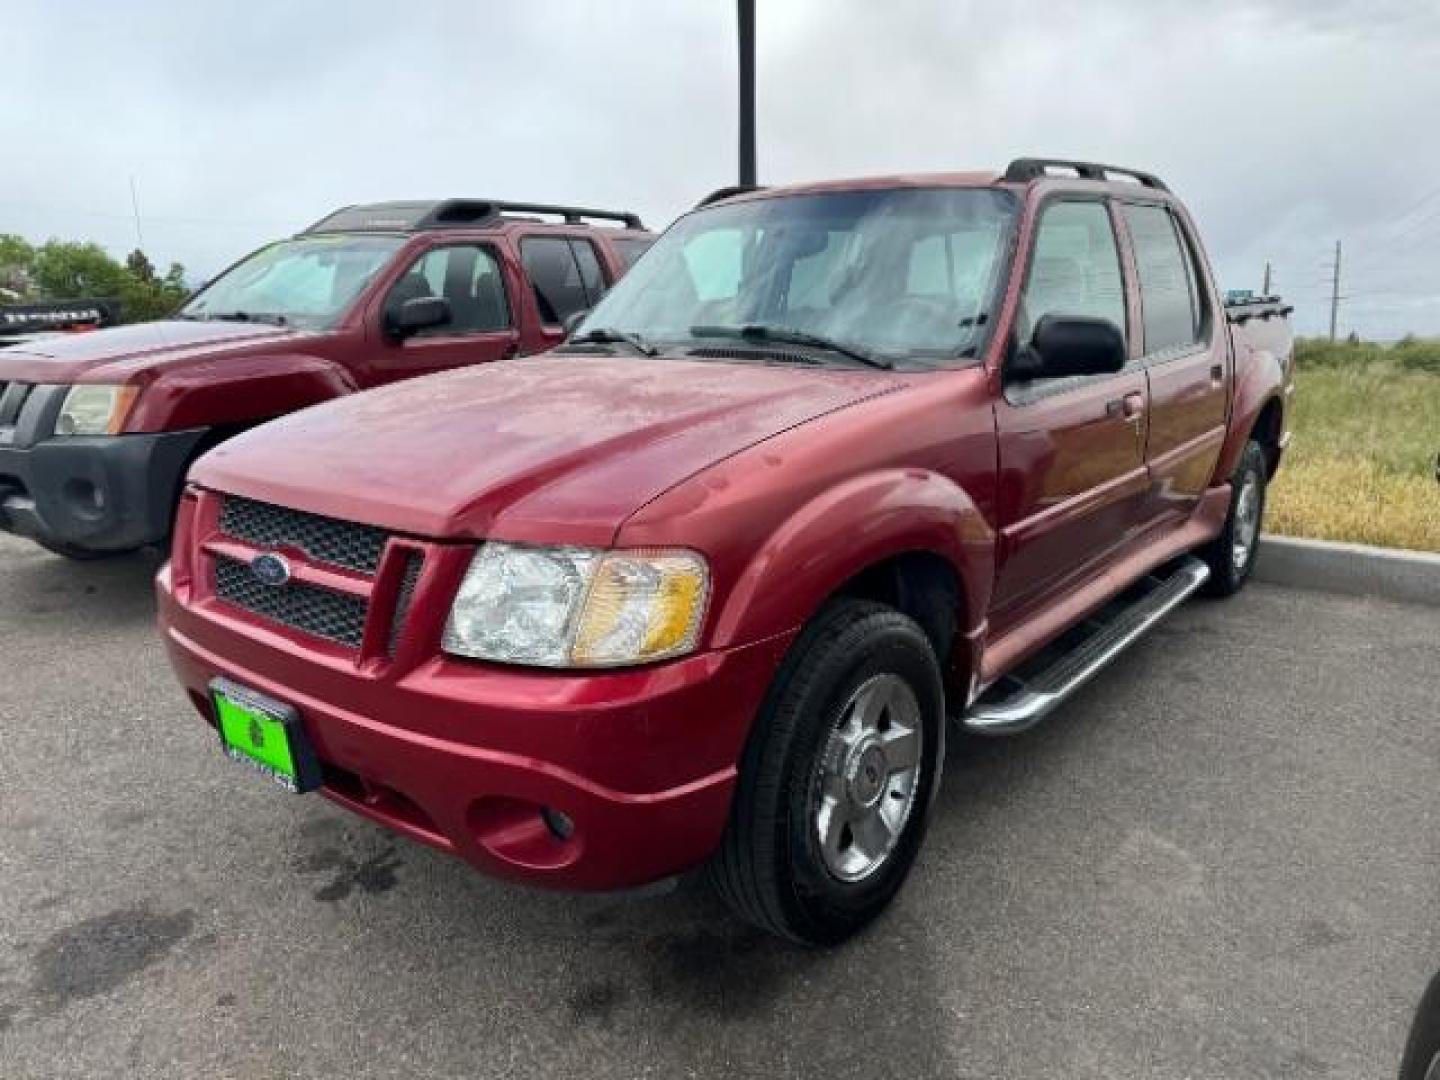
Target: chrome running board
1019,700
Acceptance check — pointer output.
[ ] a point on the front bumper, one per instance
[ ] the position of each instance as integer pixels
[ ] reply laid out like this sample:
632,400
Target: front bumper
465,757
100,493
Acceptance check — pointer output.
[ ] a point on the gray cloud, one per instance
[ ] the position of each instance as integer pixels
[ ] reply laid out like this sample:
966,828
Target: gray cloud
1284,124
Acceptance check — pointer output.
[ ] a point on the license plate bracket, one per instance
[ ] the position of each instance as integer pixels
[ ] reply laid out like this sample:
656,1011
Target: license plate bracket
265,734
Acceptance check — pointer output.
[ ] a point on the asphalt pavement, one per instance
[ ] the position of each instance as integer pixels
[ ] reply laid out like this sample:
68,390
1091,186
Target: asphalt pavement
1221,860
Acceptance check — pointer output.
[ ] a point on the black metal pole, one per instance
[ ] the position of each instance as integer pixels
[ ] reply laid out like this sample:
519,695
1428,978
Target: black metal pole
747,92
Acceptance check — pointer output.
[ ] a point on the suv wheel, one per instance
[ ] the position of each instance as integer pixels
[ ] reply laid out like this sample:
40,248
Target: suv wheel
836,781
1231,555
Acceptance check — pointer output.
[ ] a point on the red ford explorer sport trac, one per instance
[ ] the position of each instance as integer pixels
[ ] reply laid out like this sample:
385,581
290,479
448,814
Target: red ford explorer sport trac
702,585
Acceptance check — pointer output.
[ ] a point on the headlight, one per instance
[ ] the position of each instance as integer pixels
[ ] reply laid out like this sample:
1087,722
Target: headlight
575,607
95,410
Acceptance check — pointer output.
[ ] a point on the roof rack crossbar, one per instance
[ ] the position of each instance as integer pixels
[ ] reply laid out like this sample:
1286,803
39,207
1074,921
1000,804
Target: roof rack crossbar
573,215
1022,170
455,213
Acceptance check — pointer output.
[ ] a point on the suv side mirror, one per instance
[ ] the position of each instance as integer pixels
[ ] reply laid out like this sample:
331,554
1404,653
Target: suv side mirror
1065,345
574,319
416,314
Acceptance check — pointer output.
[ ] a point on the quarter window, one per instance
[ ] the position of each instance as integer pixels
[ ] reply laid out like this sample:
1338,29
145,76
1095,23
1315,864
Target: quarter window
1075,269
1171,307
468,277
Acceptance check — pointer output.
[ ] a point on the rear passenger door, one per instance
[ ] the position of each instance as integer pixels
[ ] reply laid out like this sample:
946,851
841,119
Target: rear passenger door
481,326
1185,358
565,277
1073,483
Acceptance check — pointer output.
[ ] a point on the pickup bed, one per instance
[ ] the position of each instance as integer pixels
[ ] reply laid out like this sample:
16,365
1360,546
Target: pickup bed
701,586
96,430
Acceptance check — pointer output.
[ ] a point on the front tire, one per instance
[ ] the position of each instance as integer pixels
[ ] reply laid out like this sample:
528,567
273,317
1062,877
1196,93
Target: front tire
836,781
1231,555
79,554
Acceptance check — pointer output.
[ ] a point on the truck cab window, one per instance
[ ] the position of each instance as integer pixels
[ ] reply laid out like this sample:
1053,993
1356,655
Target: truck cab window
1075,268
1172,314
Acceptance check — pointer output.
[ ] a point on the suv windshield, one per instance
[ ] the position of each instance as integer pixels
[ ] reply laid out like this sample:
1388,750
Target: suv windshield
307,282
908,274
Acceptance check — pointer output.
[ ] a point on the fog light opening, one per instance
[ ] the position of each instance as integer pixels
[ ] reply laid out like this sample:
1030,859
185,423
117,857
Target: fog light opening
560,826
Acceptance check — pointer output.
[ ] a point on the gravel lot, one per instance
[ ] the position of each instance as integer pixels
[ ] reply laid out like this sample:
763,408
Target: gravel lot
1222,860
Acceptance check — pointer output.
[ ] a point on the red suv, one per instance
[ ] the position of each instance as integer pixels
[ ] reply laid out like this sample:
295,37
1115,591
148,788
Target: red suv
97,430
831,464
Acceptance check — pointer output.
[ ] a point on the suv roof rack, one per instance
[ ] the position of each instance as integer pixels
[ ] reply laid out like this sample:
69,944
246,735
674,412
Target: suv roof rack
417,216
725,192
1025,169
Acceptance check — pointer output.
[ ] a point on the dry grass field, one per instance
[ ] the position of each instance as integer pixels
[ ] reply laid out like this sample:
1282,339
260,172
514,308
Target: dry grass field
1367,433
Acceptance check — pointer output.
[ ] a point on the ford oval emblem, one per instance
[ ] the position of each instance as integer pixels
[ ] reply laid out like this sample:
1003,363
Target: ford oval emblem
270,569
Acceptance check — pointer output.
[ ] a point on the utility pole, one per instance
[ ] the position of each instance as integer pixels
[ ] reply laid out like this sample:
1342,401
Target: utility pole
746,13
1265,291
1335,293
135,206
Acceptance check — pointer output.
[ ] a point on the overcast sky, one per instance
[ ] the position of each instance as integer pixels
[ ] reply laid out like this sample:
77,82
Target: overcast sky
1285,124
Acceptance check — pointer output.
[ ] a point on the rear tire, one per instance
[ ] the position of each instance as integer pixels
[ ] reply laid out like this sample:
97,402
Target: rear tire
1231,555
837,778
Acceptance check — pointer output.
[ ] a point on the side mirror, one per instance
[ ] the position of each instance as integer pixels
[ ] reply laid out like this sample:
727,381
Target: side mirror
573,320
1065,345
419,313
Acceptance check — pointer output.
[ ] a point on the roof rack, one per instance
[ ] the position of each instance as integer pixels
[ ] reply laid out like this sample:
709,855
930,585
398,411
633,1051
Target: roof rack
1022,170
415,216
720,194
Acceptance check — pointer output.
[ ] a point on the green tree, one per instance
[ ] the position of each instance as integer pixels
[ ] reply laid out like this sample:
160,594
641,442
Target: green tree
65,270
140,266
16,255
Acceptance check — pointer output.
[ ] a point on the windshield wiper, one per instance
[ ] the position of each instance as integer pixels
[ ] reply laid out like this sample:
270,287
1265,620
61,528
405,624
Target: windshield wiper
607,336
246,316
790,336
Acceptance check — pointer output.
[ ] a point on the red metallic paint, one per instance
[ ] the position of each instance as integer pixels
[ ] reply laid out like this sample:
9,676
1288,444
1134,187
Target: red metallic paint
790,481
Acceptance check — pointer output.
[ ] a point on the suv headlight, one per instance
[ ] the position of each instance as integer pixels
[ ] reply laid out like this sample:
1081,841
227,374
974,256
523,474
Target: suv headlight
577,607
95,410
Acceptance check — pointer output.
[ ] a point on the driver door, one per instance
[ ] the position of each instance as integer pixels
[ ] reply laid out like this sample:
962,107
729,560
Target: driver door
1073,480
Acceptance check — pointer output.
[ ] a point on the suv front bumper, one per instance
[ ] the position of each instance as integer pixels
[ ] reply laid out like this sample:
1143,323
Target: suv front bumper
476,759
94,493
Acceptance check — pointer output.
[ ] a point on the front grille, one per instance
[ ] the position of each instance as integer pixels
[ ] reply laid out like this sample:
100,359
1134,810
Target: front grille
334,616
324,540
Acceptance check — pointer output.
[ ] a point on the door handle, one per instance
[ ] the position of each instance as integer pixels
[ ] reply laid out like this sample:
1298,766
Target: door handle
1217,374
1133,405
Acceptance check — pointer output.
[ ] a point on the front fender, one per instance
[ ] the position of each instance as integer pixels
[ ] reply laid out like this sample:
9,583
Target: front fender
848,528
237,390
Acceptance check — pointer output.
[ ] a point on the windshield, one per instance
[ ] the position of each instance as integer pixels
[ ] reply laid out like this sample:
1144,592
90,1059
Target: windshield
908,274
308,282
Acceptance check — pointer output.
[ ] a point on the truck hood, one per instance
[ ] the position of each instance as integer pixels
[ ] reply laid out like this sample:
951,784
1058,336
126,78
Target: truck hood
136,352
552,449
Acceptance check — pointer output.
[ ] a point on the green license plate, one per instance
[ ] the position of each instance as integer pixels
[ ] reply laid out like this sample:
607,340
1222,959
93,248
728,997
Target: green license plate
266,735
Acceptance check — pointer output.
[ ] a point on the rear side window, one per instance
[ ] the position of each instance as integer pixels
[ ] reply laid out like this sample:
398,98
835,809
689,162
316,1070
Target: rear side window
564,273
630,248
1172,313
591,276
1076,267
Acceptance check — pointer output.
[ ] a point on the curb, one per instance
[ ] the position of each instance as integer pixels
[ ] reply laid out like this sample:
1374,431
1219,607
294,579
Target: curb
1412,577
